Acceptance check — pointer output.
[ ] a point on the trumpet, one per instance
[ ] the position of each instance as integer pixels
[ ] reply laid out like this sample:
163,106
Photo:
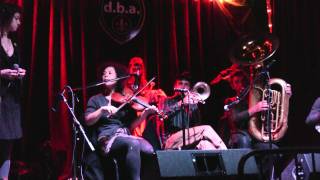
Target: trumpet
202,91
198,94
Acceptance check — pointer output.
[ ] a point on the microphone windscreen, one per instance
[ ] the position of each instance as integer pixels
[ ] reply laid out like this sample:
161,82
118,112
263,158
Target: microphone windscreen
16,66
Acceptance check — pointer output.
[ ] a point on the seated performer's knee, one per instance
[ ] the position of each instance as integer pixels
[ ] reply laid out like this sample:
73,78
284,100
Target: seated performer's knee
146,147
205,145
133,145
212,137
240,141
206,130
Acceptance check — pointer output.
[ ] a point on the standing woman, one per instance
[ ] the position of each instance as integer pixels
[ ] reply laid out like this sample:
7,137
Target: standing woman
113,126
10,81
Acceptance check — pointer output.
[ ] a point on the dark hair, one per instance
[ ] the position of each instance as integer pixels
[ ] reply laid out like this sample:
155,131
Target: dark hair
120,69
240,73
184,76
7,12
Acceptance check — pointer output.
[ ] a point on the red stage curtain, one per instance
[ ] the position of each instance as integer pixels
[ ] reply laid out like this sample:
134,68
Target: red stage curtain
63,43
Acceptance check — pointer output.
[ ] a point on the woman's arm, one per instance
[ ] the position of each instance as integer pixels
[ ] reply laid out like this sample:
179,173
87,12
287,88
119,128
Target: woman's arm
314,115
92,118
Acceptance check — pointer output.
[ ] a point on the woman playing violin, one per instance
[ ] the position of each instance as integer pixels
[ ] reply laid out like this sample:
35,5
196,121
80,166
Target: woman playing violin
113,125
137,81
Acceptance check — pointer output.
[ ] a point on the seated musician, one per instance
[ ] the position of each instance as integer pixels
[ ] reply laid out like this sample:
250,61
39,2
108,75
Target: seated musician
183,113
113,125
238,117
137,81
313,117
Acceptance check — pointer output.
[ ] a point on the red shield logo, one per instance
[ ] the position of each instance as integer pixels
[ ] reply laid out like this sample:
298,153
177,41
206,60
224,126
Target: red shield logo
122,20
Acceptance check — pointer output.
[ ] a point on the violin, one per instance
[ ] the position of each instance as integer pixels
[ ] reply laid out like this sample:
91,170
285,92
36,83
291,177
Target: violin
125,98
132,98
138,103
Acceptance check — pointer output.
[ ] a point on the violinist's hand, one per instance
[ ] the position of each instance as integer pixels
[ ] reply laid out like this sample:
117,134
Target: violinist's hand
150,110
155,95
109,109
260,106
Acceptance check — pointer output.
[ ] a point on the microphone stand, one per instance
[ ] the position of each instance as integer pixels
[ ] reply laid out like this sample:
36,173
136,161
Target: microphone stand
268,119
189,111
182,109
75,124
184,123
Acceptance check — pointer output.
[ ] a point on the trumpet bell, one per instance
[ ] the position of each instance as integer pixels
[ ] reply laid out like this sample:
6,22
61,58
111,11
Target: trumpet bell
253,49
202,89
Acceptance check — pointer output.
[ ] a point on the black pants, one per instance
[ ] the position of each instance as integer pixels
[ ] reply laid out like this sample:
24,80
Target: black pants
265,162
240,139
127,151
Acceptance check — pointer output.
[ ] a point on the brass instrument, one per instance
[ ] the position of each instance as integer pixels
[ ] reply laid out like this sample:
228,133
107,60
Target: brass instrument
279,109
254,51
202,91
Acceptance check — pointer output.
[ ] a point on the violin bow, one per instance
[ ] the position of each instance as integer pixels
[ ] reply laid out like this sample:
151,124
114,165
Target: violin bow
133,96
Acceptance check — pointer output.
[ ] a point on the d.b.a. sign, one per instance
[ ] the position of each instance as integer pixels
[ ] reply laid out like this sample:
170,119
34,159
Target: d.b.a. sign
122,20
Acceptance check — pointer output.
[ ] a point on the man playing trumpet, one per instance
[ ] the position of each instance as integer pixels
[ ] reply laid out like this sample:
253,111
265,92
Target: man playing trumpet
184,115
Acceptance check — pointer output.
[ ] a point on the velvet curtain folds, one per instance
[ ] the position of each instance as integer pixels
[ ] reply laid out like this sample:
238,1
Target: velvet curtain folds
53,41
63,43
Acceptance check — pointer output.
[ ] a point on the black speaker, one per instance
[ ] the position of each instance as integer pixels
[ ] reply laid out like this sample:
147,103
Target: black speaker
199,163
304,166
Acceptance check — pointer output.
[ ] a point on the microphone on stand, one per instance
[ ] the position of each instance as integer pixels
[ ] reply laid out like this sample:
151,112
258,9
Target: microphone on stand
180,90
243,93
101,83
267,67
58,98
136,83
228,106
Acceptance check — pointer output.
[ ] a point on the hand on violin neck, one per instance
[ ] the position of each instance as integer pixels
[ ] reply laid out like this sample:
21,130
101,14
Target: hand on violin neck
150,110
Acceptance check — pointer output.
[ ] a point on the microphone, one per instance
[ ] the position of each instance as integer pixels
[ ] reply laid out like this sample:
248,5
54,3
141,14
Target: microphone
227,107
58,98
14,67
136,83
133,74
180,90
317,127
268,65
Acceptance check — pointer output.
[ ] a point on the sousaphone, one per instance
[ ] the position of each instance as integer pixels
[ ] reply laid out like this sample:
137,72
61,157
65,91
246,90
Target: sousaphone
255,51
